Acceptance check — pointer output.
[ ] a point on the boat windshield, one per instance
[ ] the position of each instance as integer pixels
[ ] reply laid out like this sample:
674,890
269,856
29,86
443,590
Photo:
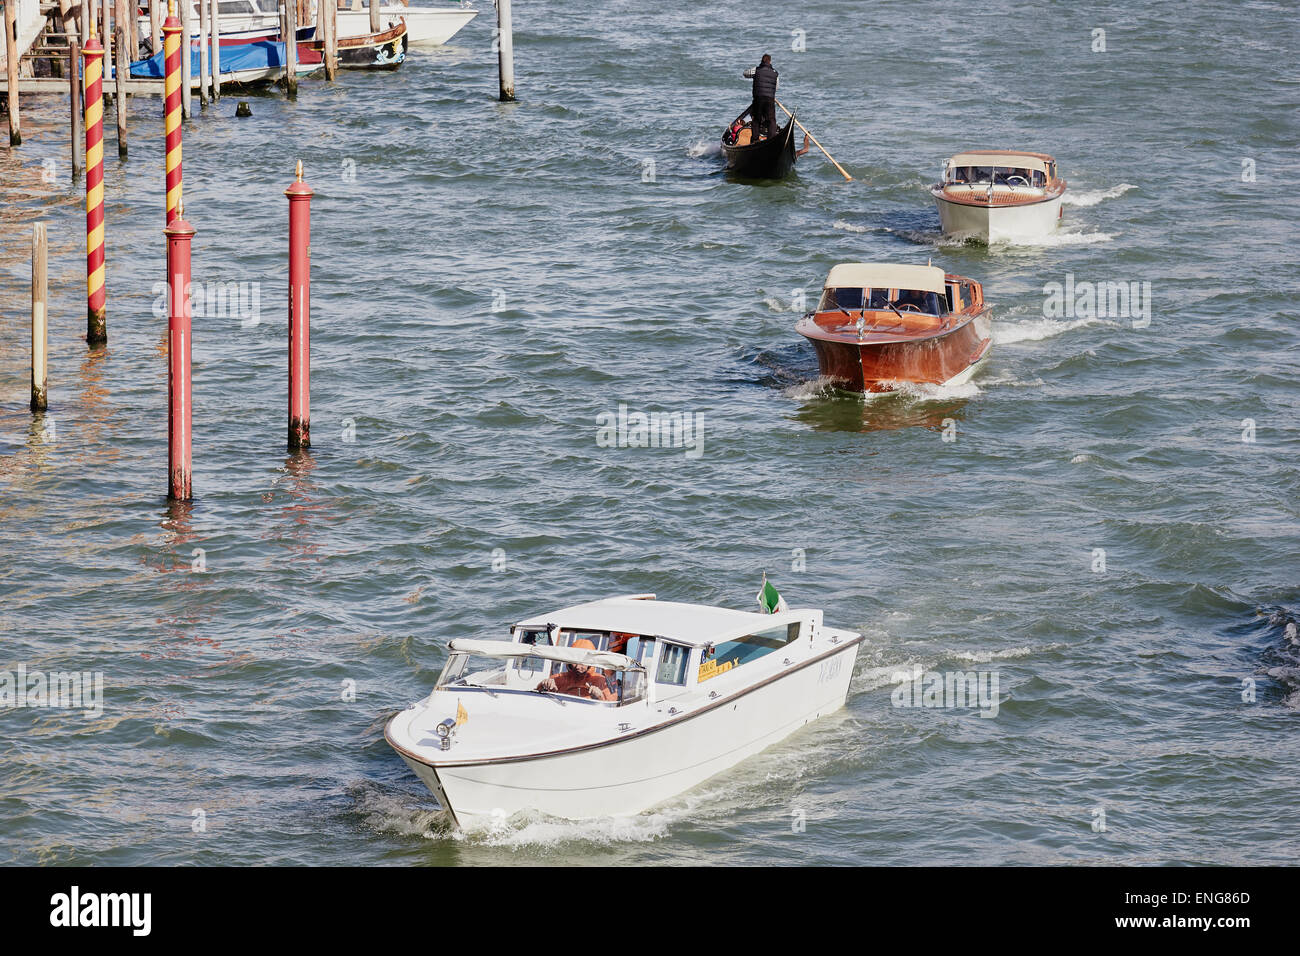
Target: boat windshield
997,175
465,671
929,303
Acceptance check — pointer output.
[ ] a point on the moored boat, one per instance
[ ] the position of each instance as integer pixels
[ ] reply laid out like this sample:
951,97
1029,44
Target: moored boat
879,325
385,50
768,157
248,64
993,195
609,708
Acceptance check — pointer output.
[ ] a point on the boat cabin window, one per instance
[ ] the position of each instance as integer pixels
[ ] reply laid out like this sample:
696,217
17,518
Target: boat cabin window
672,664
734,653
841,299
930,303
914,300
466,670
235,7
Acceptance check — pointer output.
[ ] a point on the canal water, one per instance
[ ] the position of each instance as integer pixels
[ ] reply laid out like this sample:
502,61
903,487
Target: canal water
1104,520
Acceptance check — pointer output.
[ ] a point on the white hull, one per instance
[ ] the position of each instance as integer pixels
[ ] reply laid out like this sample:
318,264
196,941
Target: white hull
425,26
998,223
631,774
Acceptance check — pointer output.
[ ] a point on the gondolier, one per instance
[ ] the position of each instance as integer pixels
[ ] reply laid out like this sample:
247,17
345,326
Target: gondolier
763,109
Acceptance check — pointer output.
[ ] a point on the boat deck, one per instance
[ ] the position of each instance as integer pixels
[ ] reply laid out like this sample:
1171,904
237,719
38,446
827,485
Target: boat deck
881,325
978,194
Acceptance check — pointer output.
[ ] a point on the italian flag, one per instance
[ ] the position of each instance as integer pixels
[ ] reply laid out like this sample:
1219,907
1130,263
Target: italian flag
769,598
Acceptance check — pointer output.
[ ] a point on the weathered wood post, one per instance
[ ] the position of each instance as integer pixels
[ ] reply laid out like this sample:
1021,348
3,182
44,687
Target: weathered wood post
327,17
179,412
74,96
214,18
505,50
40,341
96,312
374,16
291,48
11,67
205,77
123,33
299,194
105,36
187,61
172,76
155,25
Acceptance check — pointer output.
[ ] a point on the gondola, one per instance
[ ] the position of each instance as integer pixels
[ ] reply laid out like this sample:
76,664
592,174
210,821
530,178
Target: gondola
769,158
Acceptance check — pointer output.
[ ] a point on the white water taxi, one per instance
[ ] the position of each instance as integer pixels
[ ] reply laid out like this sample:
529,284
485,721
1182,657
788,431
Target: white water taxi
993,195
609,708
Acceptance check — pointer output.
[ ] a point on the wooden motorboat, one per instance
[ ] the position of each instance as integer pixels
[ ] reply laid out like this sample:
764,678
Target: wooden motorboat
879,325
385,50
770,157
609,708
993,195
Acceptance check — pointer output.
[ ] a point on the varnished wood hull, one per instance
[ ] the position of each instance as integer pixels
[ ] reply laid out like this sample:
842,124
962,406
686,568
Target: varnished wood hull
945,358
376,51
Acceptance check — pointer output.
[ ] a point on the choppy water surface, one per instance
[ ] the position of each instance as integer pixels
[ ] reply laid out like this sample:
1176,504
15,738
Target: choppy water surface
488,279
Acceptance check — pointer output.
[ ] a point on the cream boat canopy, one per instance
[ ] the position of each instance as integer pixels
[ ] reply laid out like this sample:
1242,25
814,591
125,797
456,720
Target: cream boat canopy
862,275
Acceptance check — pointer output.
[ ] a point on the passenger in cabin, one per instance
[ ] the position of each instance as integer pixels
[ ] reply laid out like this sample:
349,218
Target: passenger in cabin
579,680
911,297
764,107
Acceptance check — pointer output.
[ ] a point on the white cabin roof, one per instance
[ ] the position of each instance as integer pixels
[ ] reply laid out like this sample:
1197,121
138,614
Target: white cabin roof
694,624
1002,157
876,275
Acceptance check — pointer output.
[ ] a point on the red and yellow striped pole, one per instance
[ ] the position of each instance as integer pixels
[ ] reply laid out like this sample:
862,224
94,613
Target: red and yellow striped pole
96,326
172,107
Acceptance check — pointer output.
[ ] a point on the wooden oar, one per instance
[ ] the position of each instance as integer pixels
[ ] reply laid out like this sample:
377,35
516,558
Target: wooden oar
814,139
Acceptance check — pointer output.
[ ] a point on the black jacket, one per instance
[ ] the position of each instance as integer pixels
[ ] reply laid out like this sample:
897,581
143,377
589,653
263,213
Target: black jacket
765,83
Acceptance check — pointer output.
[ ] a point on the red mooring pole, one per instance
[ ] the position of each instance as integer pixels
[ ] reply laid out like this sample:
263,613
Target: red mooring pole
178,233
299,312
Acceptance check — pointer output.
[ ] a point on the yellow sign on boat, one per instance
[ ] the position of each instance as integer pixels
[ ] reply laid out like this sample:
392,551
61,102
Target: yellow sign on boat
714,668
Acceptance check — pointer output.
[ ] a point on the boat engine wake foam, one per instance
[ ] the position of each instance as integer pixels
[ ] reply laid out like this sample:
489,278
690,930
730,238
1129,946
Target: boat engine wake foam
1035,330
531,830
701,148
1093,196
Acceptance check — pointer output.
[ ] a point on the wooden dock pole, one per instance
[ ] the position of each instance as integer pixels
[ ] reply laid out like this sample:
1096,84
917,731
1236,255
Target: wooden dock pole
96,311
179,416
214,18
122,67
299,312
506,50
74,96
374,15
187,63
11,67
291,48
155,25
327,15
40,340
105,37
172,111
205,77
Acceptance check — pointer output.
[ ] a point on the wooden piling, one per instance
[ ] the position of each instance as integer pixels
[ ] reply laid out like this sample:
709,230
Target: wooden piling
172,76
214,18
40,340
11,65
105,36
299,194
122,67
328,18
155,25
205,77
179,401
374,15
505,51
74,96
291,48
96,312
187,62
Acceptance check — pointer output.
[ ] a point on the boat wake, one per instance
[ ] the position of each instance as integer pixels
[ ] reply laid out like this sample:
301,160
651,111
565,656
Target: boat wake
926,392
819,387
1061,237
1093,196
1282,660
1035,330
701,148
532,830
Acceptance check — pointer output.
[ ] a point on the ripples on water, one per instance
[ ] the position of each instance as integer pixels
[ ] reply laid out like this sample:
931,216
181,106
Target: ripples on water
475,430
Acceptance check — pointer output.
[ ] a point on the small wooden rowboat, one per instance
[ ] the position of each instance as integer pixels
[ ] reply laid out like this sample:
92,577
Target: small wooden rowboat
880,325
771,157
373,51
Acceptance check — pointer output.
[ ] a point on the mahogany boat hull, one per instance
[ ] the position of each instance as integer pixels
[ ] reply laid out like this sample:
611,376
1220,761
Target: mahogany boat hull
947,358
376,51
